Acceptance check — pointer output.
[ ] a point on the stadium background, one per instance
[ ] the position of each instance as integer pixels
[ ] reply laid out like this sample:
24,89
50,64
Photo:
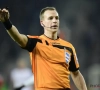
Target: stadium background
79,24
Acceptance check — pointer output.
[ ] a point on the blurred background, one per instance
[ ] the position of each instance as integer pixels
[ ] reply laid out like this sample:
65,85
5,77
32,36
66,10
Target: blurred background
79,24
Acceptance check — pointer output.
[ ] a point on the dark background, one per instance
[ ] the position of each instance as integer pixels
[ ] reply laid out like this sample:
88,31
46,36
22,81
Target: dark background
79,23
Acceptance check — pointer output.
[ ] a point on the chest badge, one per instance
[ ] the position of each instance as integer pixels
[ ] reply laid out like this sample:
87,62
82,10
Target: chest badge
67,56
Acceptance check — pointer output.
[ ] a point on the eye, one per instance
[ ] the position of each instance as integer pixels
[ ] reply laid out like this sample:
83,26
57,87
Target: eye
57,17
50,18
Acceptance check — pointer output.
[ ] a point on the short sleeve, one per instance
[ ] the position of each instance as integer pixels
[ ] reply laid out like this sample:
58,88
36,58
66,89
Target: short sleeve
32,41
74,64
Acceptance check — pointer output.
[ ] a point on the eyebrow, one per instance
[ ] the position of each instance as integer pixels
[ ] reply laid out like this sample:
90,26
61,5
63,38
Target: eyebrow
53,16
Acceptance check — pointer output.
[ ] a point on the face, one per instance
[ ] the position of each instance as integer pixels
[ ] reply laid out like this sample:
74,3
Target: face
50,20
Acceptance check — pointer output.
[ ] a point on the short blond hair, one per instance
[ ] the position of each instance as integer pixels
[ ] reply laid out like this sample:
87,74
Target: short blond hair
45,9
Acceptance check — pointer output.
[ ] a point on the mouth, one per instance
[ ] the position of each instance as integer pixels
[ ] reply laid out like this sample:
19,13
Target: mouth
54,26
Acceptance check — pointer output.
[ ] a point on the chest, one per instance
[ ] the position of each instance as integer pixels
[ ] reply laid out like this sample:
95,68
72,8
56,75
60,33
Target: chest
54,53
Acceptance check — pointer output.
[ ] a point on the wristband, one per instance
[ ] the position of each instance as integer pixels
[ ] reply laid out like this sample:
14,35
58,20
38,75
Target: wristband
7,24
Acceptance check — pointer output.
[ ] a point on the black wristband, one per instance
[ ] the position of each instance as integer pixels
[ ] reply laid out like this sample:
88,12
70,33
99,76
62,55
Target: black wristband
7,24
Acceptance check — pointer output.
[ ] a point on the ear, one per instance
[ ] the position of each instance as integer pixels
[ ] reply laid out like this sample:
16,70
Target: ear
41,22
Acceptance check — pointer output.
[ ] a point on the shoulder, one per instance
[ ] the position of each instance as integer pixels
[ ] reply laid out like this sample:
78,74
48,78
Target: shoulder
34,38
31,36
66,43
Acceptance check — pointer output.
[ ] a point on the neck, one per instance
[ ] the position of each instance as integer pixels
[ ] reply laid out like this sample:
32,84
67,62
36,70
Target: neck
51,35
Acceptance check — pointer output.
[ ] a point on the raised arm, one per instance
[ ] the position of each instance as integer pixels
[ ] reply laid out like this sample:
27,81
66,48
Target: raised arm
21,39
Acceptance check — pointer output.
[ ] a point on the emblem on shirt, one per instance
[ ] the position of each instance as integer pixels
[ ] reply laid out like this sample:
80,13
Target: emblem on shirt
55,43
67,56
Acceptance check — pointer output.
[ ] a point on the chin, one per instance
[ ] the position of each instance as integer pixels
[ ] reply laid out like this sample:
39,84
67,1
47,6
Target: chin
54,30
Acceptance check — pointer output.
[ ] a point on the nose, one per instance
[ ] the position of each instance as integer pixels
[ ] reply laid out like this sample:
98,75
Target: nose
54,20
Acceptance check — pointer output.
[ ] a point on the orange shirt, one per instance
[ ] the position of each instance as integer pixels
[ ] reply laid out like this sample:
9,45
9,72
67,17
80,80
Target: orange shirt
52,61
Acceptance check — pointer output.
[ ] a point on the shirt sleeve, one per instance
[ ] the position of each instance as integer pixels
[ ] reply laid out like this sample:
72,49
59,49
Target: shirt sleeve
74,64
32,41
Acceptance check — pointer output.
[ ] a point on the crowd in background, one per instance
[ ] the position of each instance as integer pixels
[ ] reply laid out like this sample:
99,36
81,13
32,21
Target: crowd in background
79,24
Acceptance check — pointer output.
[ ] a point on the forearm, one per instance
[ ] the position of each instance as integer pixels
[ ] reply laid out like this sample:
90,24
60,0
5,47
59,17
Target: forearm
16,36
79,81
14,33
11,29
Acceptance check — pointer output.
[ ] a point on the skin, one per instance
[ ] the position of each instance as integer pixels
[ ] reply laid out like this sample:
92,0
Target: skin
50,19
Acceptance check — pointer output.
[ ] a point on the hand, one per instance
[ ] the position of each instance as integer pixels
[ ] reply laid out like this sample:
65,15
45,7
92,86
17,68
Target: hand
4,15
19,88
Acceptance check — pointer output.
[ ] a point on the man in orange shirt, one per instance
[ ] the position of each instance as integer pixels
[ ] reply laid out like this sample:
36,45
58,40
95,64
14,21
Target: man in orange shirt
52,58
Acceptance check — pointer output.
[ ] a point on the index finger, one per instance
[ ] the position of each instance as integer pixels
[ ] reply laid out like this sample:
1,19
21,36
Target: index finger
4,10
